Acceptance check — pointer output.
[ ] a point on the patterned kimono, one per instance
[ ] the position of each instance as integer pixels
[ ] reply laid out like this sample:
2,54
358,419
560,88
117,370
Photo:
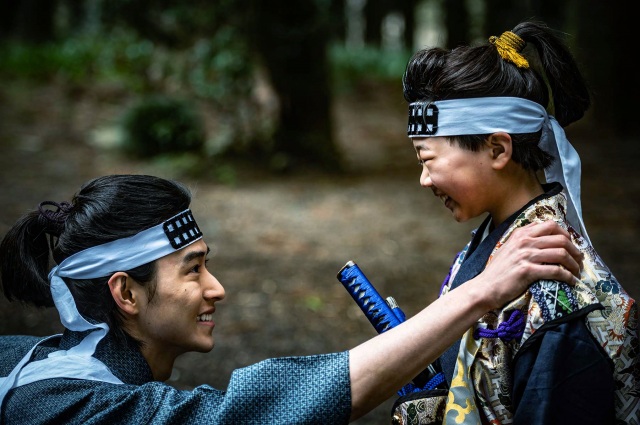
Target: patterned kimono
558,354
290,390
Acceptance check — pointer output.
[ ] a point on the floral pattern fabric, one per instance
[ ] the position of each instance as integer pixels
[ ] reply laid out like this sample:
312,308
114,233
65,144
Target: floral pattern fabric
609,313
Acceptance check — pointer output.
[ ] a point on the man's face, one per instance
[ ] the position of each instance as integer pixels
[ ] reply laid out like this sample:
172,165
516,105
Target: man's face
179,317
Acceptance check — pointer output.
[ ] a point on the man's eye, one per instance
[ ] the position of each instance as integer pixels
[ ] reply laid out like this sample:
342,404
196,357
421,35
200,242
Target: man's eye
198,267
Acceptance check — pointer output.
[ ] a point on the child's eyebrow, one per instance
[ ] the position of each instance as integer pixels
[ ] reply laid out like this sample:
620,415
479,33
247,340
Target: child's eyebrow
420,146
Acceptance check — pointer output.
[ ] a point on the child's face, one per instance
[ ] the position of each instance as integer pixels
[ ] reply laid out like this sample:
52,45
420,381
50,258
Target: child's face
459,177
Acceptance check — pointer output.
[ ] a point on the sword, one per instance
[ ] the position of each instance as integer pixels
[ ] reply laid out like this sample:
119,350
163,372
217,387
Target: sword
383,314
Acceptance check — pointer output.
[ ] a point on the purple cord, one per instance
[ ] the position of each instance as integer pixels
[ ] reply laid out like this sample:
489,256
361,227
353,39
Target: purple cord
446,279
507,331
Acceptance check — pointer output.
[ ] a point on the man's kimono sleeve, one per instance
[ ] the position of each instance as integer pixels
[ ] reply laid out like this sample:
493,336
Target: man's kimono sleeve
290,390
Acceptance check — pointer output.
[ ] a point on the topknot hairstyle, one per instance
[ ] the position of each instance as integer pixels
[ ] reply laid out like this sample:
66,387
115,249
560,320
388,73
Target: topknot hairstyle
105,209
551,78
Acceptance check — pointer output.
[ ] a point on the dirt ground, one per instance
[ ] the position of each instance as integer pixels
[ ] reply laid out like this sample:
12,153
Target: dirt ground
278,242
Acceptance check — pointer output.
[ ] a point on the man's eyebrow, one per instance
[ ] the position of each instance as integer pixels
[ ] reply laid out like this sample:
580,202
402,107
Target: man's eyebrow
194,254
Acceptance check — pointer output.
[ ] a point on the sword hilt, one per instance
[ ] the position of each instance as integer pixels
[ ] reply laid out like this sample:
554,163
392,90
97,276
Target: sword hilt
383,315
374,307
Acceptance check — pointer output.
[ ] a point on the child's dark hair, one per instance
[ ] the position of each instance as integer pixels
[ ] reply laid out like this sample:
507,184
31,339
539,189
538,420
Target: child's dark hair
105,209
553,80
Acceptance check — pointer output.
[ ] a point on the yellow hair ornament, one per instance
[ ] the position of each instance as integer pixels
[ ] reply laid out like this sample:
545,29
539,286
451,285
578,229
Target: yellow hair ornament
509,46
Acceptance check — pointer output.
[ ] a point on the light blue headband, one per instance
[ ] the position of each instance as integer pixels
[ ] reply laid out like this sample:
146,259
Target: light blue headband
486,115
99,261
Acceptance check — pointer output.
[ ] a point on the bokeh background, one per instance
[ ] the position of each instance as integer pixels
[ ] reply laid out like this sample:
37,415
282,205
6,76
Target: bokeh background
287,121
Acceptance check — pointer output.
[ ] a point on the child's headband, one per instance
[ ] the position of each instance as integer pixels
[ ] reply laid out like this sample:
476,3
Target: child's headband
478,115
487,115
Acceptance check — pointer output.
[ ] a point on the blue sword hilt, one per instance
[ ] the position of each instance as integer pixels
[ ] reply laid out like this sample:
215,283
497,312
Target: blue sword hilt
375,308
383,315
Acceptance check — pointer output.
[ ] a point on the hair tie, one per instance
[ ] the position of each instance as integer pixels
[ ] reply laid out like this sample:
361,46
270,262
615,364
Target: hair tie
53,220
509,46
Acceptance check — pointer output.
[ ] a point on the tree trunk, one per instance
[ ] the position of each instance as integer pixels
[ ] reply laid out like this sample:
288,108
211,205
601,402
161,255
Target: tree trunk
338,20
374,13
29,20
293,37
503,15
605,35
408,10
456,18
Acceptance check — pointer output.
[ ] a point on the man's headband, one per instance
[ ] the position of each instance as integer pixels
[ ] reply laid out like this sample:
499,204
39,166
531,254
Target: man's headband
127,253
487,115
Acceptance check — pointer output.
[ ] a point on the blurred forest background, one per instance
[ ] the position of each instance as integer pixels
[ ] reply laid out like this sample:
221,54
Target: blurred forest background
287,120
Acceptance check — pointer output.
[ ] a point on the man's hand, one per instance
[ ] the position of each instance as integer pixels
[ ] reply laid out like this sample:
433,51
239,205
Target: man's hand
533,252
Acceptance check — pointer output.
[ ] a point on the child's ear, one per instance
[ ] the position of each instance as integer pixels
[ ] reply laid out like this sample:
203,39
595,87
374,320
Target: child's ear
501,148
124,291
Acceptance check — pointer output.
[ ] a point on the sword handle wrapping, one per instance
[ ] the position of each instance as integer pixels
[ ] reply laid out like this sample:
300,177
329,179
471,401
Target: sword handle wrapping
383,315
374,307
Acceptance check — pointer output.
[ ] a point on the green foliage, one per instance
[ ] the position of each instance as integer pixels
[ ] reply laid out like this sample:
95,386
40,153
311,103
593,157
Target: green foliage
175,22
160,125
198,50
187,164
41,62
81,59
216,68
351,66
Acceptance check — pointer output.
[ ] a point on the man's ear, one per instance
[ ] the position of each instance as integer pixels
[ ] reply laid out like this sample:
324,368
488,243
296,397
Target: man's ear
123,292
500,148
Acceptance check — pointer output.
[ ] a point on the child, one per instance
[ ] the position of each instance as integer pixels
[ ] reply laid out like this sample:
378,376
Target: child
484,121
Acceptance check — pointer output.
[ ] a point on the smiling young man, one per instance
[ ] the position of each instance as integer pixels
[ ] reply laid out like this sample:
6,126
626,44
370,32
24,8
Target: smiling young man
178,316
134,293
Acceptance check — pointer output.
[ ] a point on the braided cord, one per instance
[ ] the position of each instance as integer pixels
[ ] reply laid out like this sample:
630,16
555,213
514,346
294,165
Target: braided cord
59,215
507,331
509,46
53,220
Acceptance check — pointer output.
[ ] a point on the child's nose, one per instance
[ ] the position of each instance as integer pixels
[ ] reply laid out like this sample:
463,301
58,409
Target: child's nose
425,178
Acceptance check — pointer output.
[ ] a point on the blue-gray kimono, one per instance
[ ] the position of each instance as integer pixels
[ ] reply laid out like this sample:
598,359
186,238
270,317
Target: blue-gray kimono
288,390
